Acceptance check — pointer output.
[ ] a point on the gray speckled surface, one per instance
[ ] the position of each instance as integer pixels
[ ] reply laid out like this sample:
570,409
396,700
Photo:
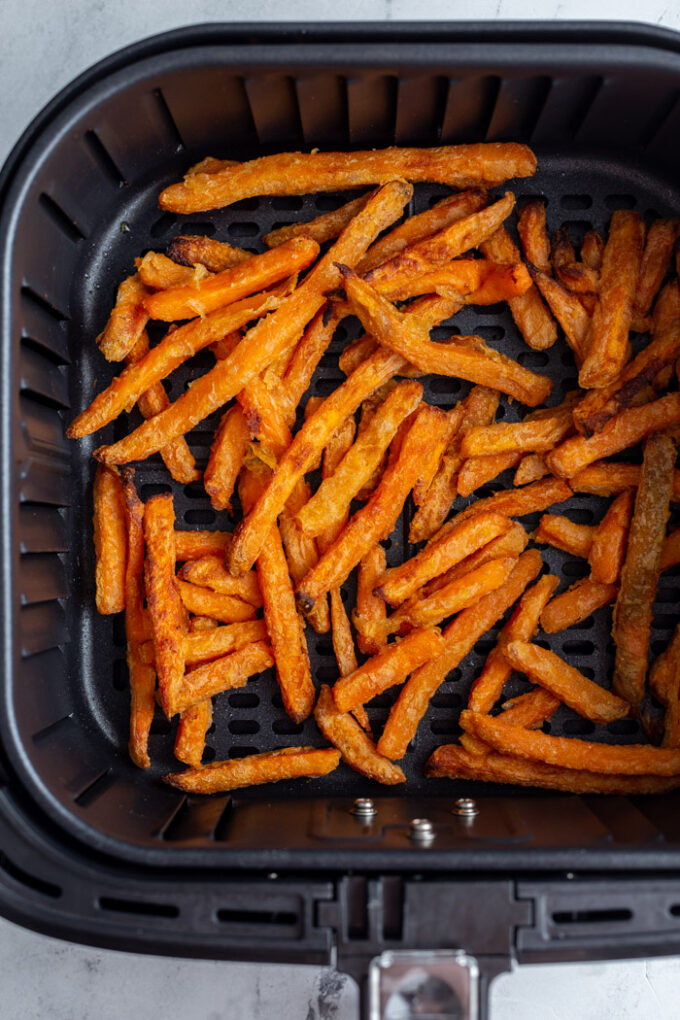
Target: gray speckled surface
42,47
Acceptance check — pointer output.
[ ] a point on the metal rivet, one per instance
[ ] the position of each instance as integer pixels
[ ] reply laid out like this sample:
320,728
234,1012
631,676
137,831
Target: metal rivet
363,807
466,807
421,830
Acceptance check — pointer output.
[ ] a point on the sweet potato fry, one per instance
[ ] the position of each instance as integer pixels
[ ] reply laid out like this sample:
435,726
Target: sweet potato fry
512,543
227,453
207,602
321,228
592,249
431,467
168,355
562,250
460,636
356,748
110,541
670,551
306,357
567,309
572,688
165,606
604,478
142,674
453,762
191,545
618,760
369,613
532,318
465,357
158,272
537,436
463,540
610,539
210,165
127,320
579,278
193,725
207,644
198,624
521,626
640,571
264,415
656,257
215,256
390,666
533,234
608,341
223,674
333,497
231,285
478,281
559,531
269,767
343,647
333,455
377,518
477,471
296,173
210,572
625,429
664,671
530,709
530,469
576,604
267,340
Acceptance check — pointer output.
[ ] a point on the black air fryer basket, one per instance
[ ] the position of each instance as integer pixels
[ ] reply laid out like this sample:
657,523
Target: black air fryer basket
94,850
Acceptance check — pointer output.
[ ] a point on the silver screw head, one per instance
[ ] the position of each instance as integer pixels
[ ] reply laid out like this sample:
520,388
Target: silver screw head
363,807
466,807
421,830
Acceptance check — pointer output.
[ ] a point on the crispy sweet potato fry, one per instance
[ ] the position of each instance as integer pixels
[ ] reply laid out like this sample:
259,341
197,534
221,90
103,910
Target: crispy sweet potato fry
625,429
306,357
578,692
608,341
656,257
455,762
207,602
212,292
664,671
223,674
110,541
127,320
512,543
389,667
296,173
521,626
592,249
610,539
191,545
477,471
460,636
562,250
532,318
343,647
193,725
227,453
537,436
463,540
333,455
165,606
377,518
567,309
530,709
215,256
559,531
478,281
269,767
331,501
530,469
321,228
197,624
206,644
210,572
158,272
576,604
619,760
608,479
369,613
356,748
579,278
640,571
533,234
465,357
266,341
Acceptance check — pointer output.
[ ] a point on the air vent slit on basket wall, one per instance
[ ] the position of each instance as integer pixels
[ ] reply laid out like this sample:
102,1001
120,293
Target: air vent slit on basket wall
592,91
104,159
99,785
47,732
168,119
60,218
142,907
29,294
26,879
660,118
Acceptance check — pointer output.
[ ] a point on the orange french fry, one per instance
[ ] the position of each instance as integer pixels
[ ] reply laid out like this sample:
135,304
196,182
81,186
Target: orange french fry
110,541
158,272
512,543
215,256
464,539
343,647
477,471
306,357
656,257
522,625
579,278
608,479
199,624
390,666
530,469
531,316
333,455
191,545
264,415
269,339
207,602
577,539
301,552
127,320
377,518
562,250
453,762
269,767
210,572
608,340
535,436
567,309
529,710
431,467
164,604
592,249
576,604
479,281
640,571
460,636
227,453
356,748
296,173
193,725
609,542
572,688
212,643
618,760
533,234
223,674
664,683
246,278
321,228
369,613
625,429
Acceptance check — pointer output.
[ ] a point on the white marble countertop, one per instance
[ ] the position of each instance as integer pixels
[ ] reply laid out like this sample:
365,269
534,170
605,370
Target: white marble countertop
42,47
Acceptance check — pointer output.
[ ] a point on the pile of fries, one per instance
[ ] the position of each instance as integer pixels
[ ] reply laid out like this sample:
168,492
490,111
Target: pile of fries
206,611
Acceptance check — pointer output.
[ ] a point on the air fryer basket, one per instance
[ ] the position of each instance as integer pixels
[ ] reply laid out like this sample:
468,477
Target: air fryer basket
601,107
